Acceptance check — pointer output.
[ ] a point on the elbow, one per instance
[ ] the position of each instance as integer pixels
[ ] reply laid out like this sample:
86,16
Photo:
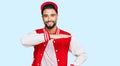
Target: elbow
25,43
85,56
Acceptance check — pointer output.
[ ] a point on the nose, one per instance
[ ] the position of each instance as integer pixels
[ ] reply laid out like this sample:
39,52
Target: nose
49,18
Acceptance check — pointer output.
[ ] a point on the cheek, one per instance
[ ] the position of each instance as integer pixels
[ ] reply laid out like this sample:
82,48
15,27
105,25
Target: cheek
45,19
55,18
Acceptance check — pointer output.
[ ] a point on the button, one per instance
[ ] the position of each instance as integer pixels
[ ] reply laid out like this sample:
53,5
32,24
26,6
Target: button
53,41
58,60
56,50
38,64
44,45
41,54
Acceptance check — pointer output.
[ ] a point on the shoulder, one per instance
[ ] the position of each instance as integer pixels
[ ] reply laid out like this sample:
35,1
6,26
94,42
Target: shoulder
39,30
64,32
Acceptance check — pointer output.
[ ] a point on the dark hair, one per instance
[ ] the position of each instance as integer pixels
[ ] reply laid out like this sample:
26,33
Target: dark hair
48,6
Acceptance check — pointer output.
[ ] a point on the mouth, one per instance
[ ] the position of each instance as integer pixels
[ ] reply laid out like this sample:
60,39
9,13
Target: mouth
50,23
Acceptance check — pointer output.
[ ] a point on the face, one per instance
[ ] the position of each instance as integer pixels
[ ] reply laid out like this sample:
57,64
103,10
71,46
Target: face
49,18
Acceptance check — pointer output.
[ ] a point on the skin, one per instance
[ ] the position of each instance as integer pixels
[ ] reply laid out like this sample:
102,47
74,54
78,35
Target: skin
50,18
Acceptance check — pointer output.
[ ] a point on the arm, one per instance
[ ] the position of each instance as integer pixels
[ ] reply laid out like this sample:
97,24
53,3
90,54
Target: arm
32,39
54,36
78,52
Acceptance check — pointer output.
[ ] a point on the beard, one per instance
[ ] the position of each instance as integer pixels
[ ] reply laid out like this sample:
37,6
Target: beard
50,26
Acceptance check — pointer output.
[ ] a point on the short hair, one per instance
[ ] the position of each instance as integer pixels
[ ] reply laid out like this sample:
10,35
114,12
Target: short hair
48,6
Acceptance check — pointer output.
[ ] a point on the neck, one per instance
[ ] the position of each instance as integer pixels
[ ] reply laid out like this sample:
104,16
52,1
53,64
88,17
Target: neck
52,31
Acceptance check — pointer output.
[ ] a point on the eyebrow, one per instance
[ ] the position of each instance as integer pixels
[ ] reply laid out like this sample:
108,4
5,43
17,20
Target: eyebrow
46,14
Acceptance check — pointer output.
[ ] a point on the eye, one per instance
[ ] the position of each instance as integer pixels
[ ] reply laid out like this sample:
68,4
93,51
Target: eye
53,15
45,15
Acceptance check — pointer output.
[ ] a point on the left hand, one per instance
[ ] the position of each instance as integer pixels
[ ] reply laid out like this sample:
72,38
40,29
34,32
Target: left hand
59,36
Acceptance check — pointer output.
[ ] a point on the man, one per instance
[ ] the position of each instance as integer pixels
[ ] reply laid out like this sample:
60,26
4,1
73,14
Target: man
51,44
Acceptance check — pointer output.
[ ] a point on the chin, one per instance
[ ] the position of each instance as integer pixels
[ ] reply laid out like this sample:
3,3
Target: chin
50,27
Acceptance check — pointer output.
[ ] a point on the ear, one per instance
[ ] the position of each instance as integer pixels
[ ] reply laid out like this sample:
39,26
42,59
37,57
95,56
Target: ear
42,16
57,16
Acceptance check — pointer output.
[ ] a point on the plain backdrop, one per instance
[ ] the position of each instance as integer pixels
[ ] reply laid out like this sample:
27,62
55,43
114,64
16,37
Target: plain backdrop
95,24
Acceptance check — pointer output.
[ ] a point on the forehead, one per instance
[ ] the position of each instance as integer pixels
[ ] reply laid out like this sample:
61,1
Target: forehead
49,11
